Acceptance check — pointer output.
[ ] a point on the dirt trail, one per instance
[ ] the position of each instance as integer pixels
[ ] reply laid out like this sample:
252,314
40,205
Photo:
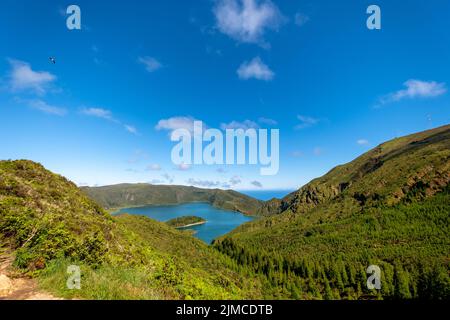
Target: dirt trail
14,286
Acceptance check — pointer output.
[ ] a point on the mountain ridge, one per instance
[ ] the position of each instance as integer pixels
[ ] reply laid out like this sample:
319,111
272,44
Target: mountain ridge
343,177
142,194
389,207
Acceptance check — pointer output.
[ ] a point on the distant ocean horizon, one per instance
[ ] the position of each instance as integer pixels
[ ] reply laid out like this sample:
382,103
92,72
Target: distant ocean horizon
266,194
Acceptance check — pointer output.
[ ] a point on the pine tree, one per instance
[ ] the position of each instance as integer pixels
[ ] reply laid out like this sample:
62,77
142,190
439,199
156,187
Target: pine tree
401,281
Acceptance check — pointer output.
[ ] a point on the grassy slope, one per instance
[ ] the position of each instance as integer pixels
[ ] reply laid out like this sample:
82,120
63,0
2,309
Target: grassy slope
49,223
389,207
131,195
415,166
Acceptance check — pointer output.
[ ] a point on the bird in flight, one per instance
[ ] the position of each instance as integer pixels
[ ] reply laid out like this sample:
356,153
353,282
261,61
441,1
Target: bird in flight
52,60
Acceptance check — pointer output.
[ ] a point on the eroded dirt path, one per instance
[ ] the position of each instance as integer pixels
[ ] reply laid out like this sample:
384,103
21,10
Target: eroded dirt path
14,286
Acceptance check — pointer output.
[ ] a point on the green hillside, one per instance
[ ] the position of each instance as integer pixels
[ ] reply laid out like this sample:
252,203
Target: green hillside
185,221
133,195
48,224
418,163
389,207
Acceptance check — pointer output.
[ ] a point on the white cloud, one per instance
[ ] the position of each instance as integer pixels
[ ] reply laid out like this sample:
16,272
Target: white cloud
98,113
301,19
245,125
317,151
204,183
247,20
415,89
268,121
209,183
42,106
137,156
183,167
362,142
151,64
22,77
46,108
107,115
257,184
255,69
131,129
306,122
175,123
154,167
235,180
168,177
297,154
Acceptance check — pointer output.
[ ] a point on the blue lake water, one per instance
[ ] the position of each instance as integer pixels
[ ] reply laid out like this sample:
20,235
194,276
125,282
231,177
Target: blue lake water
219,222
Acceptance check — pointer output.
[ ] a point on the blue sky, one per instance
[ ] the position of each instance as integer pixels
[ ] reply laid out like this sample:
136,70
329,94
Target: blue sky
103,113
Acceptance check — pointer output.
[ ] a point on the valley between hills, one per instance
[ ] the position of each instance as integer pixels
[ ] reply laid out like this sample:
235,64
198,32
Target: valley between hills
389,207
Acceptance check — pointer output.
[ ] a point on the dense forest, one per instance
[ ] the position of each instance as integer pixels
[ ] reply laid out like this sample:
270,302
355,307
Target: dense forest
408,242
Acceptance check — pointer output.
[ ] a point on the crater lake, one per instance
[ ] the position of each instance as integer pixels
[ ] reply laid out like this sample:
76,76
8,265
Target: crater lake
218,221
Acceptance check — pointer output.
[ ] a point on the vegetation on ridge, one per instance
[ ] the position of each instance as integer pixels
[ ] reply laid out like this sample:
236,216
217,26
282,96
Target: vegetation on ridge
389,207
182,222
48,223
142,194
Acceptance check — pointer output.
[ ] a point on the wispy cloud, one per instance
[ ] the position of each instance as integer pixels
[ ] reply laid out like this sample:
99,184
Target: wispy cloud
317,151
215,184
267,121
131,129
414,89
362,142
301,19
297,154
306,122
245,125
255,69
150,63
47,108
257,184
174,123
235,180
96,53
107,115
156,181
23,78
183,167
137,156
98,113
153,167
168,177
247,20
204,183
42,106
